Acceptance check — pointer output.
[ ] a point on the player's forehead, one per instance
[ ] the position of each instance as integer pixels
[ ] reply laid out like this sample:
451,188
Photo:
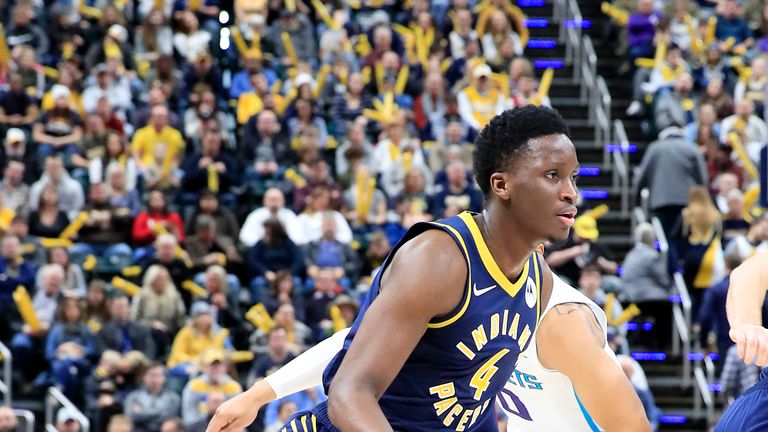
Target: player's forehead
550,149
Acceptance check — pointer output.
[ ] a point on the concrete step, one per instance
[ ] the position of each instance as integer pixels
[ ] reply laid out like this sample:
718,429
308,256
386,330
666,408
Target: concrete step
539,47
535,7
682,419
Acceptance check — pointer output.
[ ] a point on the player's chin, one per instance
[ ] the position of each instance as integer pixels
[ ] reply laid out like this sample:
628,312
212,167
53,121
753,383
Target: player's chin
558,235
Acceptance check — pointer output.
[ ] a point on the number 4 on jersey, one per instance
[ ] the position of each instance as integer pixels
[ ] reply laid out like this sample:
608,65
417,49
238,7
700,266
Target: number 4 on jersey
482,378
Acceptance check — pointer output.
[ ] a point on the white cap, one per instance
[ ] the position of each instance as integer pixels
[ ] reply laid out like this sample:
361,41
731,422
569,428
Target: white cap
64,415
15,135
481,70
60,91
301,79
118,32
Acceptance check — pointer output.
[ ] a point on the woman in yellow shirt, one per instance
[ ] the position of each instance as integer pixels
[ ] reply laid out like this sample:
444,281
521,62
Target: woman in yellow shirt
198,336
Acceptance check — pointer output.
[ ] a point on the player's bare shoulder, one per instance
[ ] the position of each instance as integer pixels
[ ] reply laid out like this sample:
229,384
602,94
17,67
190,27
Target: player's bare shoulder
432,264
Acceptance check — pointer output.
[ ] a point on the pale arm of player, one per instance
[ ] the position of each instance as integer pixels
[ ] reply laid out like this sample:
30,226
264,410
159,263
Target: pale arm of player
746,294
424,280
302,373
571,341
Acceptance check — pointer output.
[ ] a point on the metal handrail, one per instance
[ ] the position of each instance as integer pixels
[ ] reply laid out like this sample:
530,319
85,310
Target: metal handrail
589,75
709,368
594,91
685,296
590,57
645,198
681,330
620,136
55,398
587,83
580,54
602,126
680,315
601,103
706,395
660,236
558,15
605,96
570,35
620,162
29,419
7,382
621,177
638,217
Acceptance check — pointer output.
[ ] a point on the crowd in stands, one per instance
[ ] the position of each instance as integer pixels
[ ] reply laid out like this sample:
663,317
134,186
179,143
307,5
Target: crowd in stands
700,90
193,193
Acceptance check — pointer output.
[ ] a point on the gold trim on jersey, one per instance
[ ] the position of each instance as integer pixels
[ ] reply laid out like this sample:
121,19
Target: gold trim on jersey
490,264
448,321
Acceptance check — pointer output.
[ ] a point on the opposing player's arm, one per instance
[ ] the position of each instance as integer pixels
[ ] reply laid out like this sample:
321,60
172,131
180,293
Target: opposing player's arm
746,294
426,278
302,373
571,341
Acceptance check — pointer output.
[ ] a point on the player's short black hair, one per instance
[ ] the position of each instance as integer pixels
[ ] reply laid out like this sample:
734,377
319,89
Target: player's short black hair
507,135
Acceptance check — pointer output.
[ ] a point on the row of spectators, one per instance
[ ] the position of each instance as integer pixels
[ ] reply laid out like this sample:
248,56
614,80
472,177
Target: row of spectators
170,164
700,89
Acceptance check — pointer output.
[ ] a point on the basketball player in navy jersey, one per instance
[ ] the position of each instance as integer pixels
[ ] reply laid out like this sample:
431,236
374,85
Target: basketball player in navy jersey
458,300
746,294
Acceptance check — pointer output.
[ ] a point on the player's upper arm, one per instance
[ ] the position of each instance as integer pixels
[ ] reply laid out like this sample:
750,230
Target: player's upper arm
571,341
426,278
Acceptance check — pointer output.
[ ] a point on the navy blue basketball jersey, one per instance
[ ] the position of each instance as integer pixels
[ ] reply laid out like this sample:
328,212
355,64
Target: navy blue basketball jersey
749,413
450,380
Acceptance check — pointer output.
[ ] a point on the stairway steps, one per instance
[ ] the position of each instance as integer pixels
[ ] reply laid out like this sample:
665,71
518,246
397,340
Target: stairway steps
579,111
555,52
551,30
664,377
687,418
664,401
540,8
601,181
565,97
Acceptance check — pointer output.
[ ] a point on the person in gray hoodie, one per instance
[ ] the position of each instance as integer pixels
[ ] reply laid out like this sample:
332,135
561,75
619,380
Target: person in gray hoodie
670,167
646,282
151,405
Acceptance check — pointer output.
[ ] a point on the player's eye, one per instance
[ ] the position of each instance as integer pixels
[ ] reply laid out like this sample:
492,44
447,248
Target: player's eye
575,178
552,175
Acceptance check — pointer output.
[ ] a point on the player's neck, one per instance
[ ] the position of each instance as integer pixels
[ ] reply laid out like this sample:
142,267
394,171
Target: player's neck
510,250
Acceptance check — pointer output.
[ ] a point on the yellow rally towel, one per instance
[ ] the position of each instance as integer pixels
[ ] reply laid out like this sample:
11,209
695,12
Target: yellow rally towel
25,308
195,289
72,229
213,178
258,316
127,287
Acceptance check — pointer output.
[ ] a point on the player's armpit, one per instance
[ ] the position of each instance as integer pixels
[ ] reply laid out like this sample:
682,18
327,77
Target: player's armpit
426,278
570,341
306,370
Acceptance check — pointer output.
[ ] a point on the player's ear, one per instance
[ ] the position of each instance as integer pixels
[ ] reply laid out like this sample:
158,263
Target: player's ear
500,185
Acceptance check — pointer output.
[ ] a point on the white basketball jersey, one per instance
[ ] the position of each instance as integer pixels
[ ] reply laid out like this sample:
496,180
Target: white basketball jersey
539,399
